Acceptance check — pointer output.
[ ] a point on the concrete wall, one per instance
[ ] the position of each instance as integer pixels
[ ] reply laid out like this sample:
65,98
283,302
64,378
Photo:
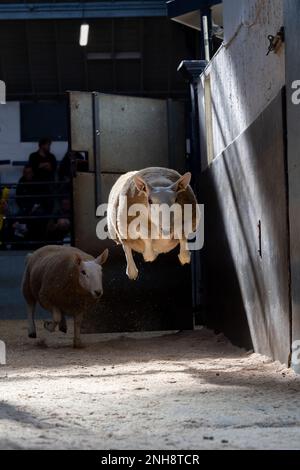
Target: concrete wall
243,79
11,147
247,268
243,160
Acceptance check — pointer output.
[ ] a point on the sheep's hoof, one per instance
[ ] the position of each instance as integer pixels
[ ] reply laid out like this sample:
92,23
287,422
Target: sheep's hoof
77,344
149,258
32,335
184,258
132,274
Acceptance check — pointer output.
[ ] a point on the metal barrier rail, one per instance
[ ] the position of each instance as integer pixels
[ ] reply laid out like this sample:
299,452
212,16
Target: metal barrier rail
35,242
49,196
35,183
34,196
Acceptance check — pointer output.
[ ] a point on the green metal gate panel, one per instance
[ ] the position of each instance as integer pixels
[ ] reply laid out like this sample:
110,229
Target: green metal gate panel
133,133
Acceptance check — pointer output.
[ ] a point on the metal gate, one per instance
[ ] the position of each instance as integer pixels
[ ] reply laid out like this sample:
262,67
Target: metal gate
120,134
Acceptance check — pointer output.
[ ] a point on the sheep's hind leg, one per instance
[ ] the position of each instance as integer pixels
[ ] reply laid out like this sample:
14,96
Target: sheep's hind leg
30,317
57,317
131,270
184,255
149,254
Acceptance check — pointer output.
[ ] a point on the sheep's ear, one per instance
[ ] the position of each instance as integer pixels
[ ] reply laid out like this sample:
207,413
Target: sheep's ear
78,259
103,257
141,185
182,183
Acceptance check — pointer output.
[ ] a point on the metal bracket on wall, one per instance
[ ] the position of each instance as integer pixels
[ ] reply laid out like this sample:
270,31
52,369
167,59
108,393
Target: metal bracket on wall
276,41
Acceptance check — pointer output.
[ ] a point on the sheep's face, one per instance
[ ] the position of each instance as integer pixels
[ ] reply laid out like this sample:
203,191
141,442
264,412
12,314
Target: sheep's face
159,196
90,274
162,196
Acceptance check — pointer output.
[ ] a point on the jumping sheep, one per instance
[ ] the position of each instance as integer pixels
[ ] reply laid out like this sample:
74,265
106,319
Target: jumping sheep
64,281
149,187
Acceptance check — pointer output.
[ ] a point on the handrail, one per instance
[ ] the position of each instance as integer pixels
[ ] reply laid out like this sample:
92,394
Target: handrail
12,185
36,217
56,191
39,196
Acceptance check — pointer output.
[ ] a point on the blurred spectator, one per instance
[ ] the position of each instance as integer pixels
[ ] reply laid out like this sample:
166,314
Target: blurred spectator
71,162
26,187
42,162
30,205
59,228
4,195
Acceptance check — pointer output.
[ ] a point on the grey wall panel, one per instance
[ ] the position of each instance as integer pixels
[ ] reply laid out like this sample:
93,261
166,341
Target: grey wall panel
133,133
177,134
244,186
85,220
81,124
107,182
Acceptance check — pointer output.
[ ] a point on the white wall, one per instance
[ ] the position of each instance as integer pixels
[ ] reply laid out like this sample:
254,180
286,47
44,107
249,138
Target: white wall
244,80
11,147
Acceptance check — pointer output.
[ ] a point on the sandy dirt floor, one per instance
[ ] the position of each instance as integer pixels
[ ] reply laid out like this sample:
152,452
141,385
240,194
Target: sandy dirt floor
189,390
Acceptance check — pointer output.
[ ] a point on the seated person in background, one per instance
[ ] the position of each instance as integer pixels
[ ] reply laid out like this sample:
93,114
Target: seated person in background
26,204
4,195
69,164
26,188
42,162
60,227
29,229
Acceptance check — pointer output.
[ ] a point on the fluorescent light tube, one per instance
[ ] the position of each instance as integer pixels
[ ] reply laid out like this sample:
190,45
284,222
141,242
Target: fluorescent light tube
84,34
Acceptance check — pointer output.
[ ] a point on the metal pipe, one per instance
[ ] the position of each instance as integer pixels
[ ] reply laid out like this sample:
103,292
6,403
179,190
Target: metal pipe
206,38
63,10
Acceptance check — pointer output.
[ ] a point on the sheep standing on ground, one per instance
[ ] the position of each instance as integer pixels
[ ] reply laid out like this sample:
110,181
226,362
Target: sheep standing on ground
150,188
64,281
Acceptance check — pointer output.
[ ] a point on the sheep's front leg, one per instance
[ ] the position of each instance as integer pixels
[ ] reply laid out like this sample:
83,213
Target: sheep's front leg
77,327
30,317
131,270
149,255
57,317
184,254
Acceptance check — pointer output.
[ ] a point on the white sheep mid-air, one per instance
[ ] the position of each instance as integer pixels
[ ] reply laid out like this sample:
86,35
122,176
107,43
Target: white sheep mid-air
64,281
150,188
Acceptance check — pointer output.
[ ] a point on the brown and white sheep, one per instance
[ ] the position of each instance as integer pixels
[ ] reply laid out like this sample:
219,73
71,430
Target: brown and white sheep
63,280
150,187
